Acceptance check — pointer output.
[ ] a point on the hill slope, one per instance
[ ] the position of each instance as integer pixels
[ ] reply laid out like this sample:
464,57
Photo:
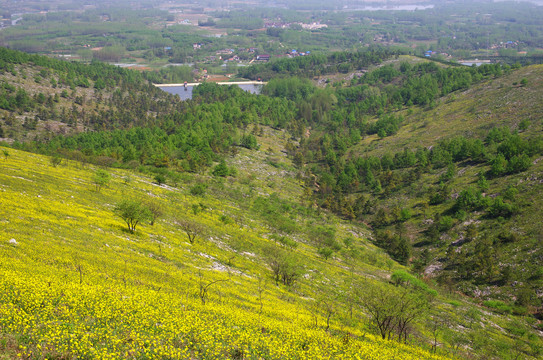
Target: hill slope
231,257
510,104
77,283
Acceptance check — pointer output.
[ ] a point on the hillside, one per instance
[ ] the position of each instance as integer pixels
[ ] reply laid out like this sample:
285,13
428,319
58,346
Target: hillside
511,103
389,216
77,283
500,102
43,97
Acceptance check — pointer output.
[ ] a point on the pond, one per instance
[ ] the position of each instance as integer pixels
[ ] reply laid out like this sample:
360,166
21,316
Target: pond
186,92
393,8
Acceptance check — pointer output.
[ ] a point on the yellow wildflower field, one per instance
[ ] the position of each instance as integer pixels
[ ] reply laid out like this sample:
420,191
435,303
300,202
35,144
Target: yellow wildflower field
74,284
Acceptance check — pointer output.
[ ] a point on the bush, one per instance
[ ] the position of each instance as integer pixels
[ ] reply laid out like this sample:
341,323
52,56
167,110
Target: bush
498,166
198,189
469,199
249,142
56,160
405,214
445,223
518,163
501,208
498,306
285,241
221,169
325,252
160,179
403,278
101,178
225,219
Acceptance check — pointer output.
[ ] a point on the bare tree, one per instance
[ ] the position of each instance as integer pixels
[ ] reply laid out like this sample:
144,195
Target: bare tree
204,287
410,307
191,228
380,305
393,309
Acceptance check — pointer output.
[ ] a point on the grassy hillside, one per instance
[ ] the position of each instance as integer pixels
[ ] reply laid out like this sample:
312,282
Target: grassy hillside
504,101
511,103
77,284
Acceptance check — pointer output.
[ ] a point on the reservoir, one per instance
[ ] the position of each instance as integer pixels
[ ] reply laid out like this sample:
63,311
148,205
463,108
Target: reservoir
390,8
185,92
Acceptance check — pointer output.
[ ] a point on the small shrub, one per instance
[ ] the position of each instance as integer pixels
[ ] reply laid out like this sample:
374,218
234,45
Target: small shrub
501,208
403,278
325,252
225,219
518,163
249,142
286,241
524,125
405,214
498,306
160,179
56,160
455,303
445,223
198,189
221,169
101,178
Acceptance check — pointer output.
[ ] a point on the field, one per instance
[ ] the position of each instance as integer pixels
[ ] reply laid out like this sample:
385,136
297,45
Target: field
77,284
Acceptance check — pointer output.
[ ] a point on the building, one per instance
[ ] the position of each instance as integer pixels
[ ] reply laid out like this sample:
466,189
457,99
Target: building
263,57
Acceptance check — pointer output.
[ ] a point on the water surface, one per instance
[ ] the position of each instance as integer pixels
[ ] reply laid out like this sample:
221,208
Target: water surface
186,92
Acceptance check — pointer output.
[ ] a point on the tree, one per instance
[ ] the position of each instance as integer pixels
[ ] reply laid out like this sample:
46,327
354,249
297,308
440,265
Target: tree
221,169
284,265
155,209
410,306
132,212
380,304
392,309
191,228
101,178
327,305
203,287
324,237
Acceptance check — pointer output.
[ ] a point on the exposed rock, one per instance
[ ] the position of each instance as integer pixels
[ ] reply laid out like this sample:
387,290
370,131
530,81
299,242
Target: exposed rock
431,269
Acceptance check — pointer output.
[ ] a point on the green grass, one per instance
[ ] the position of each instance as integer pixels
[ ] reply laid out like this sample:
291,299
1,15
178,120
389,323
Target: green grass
472,112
